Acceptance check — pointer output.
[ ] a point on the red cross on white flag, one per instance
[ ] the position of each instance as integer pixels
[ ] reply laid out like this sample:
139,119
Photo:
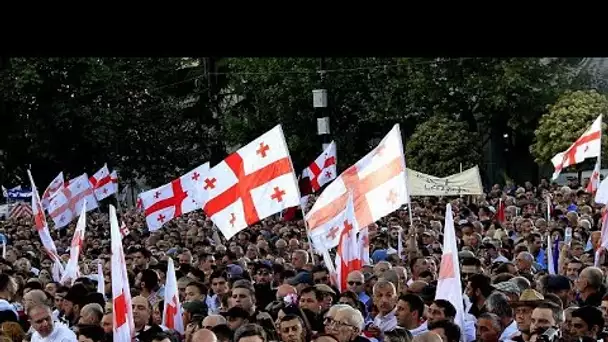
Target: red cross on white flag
172,200
57,184
72,270
66,204
172,312
102,183
378,186
251,184
588,145
41,225
364,246
122,313
322,170
348,253
448,285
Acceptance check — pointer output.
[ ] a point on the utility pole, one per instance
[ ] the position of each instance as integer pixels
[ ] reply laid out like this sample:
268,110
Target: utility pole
319,102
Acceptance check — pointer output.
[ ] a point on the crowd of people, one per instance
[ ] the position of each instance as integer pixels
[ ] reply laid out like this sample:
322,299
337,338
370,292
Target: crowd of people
264,285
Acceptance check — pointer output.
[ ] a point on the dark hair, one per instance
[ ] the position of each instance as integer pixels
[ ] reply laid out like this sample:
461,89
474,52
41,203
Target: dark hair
146,253
92,331
217,274
248,330
319,268
481,282
555,310
200,286
504,267
161,335
311,289
150,279
448,308
591,315
223,332
415,302
399,334
471,262
502,277
451,330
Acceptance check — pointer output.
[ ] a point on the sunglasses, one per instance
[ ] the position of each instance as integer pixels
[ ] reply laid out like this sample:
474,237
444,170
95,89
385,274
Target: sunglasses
355,283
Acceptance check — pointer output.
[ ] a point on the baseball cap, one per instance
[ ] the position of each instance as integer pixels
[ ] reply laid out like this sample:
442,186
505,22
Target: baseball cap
508,287
234,271
302,278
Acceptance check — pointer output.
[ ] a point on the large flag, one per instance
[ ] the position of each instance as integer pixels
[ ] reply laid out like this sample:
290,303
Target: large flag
72,270
102,183
68,201
449,286
56,185
348,254
172,312
17,193
378,186
122,312
174,199
41,225
588,145
251,184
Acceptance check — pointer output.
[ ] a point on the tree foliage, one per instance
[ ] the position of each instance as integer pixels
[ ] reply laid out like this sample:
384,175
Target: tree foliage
566,120
367,96
432,148
74,114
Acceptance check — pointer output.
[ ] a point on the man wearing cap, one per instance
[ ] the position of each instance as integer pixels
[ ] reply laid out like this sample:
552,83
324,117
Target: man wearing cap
236,317
301,280
510,289
523,307
73,301
194,310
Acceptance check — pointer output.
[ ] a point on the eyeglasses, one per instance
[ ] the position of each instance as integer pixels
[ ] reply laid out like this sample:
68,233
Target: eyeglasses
355,283
263,273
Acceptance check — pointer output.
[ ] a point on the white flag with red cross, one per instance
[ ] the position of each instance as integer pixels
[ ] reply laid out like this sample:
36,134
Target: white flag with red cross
102,183
364,245
378,186
114,178
323,169
122,310
172,312
72,270
251,184
174,199
68,201
588,145
348,253
57,184
42,227
449,284
594,180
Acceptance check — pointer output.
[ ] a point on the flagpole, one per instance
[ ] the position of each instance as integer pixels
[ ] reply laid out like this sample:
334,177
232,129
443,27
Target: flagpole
295,180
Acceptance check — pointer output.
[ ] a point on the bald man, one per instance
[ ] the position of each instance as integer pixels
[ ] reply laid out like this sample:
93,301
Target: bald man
204,335
355,282
285,289
213,320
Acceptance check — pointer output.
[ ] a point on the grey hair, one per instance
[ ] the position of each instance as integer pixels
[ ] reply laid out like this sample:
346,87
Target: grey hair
93,309
527,255
381,283
354,317
498,303
493,318
521,282
595,276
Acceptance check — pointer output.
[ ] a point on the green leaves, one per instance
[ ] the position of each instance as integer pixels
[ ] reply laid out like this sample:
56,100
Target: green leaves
566,120
439,145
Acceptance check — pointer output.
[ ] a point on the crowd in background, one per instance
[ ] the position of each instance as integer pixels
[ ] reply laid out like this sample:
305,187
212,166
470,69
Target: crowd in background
263,284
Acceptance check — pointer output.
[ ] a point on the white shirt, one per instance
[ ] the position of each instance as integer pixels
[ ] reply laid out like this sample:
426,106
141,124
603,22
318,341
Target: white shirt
212,304
509,331
61,333
422,328
387,322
